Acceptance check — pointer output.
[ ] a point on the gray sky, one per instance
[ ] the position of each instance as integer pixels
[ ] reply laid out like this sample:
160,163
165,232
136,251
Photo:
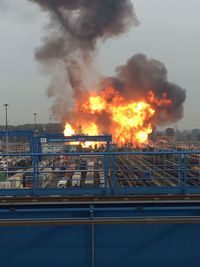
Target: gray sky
169,32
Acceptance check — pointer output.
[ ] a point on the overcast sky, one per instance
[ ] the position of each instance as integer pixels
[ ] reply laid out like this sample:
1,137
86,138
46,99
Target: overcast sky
169,32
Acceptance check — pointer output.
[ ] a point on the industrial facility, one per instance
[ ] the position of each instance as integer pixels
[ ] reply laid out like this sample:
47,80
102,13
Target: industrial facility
105,183
96,206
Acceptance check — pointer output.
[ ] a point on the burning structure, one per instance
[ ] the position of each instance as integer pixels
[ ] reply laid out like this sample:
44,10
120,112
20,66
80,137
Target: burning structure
130,105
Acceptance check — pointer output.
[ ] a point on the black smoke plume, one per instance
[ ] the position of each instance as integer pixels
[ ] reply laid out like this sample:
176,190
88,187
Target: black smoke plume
75,29
140,75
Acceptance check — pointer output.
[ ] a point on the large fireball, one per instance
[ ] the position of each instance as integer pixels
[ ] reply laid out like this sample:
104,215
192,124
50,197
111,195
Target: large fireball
127,121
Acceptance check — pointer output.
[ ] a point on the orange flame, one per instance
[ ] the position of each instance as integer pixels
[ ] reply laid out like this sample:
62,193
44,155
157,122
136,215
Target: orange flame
68,131
96,103
90,129
130,121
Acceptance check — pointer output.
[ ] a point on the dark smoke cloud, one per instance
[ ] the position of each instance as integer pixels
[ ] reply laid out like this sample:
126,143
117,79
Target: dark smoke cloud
69,51
88,20
75,29
138,76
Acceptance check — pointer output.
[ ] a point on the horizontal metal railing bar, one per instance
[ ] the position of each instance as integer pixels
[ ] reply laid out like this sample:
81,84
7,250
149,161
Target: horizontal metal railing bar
20,211
89,221
53,171
164,152
51,192
105,199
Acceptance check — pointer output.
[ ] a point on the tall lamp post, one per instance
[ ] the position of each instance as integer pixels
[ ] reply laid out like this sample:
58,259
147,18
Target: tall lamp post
35,119
50,130
50,119
6,129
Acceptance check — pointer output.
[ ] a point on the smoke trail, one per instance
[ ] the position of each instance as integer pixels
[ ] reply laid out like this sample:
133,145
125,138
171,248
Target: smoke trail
75,29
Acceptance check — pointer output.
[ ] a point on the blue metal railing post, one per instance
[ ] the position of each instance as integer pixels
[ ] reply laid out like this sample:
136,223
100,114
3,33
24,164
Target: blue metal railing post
92,236
35,164
108,146
31,146
182,172
113,174
106,174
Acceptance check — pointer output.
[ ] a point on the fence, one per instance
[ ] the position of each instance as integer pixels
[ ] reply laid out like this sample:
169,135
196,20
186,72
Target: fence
100,173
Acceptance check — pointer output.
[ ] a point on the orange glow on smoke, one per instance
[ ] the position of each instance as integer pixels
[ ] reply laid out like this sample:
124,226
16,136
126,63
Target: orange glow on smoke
130,121
159,102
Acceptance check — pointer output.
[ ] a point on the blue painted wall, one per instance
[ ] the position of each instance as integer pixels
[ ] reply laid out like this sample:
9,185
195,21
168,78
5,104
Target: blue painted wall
145,245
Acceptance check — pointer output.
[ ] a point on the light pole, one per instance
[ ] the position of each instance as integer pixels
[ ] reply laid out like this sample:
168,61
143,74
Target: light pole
6,129
6,109
50,119
35,119
50,130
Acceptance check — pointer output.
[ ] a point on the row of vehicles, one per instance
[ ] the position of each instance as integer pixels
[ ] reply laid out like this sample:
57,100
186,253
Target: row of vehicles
77,172
18,180
21,176
24,179
12,164
85,173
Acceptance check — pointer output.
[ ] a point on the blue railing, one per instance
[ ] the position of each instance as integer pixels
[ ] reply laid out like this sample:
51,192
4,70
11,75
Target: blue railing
101,173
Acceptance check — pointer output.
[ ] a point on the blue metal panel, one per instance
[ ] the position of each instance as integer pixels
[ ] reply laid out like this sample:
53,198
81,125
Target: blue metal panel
148,190
27,134
147,245
74,138
115,245
45,246
94,245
